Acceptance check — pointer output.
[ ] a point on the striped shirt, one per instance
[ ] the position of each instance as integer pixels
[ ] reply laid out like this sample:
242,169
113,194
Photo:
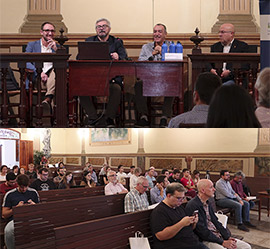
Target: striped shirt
134,201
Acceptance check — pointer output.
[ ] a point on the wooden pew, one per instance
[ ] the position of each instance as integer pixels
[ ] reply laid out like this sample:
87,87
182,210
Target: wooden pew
111,232
34,224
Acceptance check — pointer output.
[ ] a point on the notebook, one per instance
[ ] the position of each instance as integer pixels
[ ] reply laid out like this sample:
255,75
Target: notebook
93,50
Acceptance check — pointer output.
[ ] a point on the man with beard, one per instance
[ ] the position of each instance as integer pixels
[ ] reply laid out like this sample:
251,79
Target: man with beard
152,52
114,187
117,52
43,183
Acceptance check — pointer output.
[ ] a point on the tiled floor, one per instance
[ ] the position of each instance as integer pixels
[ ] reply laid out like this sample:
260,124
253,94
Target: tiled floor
259,237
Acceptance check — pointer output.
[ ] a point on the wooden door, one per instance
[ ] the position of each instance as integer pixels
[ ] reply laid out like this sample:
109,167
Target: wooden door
26,153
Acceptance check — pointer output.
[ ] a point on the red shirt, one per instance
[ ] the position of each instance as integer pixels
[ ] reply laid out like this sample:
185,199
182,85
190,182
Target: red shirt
238,188
185,181
4,188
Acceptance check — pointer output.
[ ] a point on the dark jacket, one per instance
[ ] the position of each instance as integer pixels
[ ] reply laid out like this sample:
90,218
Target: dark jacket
201,228
236,47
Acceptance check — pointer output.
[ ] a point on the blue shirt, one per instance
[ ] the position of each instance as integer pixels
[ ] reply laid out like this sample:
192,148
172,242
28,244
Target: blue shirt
155,195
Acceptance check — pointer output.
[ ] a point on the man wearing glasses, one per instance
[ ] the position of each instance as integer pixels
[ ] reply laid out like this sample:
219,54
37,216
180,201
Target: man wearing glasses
43,183
45,45
136,199
170,225
227,44
227,198
114,187
117,52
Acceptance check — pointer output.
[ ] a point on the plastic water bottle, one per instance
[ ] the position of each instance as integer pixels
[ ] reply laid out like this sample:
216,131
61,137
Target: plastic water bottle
172,47
164,49
179,48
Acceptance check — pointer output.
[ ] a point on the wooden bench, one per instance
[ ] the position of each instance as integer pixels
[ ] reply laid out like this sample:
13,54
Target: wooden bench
34,224
111,232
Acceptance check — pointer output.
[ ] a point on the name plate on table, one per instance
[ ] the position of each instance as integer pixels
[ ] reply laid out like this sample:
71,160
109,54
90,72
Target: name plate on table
173,56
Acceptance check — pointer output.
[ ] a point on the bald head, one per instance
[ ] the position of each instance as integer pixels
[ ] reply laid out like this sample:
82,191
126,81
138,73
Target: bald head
206,189
203,183
226,33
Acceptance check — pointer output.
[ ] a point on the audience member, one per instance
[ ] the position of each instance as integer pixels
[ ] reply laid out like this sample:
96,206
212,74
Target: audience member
205,86
170,225
103,179
150,177
22,195
208,228
131,172
158,193
114,187
22,171
117,52
9,184
262,97
134,178
45,45
31,171
232,107
121,175
237,186
188,183
15,170
227,44
93,174
196,177
3,173
136,199
67,181
60,175
227,198
175,177
152,52
43,183
87,180
166,173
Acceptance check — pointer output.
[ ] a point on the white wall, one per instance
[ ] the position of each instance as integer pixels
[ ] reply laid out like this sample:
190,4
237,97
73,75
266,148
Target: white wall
8,152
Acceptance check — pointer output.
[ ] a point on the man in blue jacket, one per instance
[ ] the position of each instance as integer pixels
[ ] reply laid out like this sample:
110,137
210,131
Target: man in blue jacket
44,45
208,228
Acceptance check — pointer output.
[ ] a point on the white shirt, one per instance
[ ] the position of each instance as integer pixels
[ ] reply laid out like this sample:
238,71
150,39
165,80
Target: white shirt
46,65
113,189
133,182
119,175
226,50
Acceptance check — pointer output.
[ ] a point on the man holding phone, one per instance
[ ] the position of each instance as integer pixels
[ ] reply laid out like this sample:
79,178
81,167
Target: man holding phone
208,228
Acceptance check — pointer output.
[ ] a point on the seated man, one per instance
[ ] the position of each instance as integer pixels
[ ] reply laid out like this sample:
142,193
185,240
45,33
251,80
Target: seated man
45,45
22,195
205,87
117,52
227,198
152,52
237,186
114,187
158,193
121,175
31,171
208,228
227,44
43,183
136,199
9,184
187,182
175,177
170,225
150,177
60,175
131,172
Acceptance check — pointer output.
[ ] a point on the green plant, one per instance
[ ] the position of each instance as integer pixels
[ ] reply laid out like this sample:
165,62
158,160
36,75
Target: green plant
38,156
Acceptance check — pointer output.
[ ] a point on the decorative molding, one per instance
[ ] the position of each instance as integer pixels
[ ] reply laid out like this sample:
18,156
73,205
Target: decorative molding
216,165
73,160
166,163
262,166
127,162
96,161
263,140
54,160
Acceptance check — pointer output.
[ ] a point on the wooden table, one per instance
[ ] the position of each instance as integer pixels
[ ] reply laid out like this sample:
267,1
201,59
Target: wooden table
264,194
91,78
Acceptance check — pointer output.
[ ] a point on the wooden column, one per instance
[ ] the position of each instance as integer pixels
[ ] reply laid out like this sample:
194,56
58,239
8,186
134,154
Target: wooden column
40,11
237,12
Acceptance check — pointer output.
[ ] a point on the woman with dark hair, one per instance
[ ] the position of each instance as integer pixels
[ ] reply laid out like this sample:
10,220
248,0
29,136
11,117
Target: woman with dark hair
232,107
103,179
87,180
21,171
3,172
67,181
15,170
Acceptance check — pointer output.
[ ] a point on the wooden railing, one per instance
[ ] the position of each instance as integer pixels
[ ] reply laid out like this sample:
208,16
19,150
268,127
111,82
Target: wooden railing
26,110
201,61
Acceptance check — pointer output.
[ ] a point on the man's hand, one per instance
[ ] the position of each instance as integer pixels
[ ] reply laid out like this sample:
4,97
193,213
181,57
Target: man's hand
115,56
213,71
159,186
21,203
230,243
157,50
44,77
241,202
225,73
30,202
187,220
52,44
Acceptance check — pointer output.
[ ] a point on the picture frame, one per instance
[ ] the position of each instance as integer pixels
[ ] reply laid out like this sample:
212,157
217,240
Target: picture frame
109,136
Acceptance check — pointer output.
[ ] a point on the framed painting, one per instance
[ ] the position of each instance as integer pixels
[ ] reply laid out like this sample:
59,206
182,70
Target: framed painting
109,136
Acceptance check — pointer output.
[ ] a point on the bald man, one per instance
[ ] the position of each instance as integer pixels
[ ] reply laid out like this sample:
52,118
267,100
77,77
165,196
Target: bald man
208,228
227,44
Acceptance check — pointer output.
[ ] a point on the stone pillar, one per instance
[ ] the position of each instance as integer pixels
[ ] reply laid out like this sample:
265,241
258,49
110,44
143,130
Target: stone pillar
40,11
237,12
140,141
263,144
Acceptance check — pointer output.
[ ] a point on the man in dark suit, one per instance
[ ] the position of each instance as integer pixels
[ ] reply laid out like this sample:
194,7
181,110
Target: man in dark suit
45,45
117,52
227,44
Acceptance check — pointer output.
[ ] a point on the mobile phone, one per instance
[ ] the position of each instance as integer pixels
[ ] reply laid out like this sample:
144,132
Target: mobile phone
195,213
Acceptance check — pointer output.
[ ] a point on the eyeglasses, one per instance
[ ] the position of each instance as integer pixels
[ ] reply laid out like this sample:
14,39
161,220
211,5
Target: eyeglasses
49,30
145,186
104,26
45,174
223,32
112,175
179,198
